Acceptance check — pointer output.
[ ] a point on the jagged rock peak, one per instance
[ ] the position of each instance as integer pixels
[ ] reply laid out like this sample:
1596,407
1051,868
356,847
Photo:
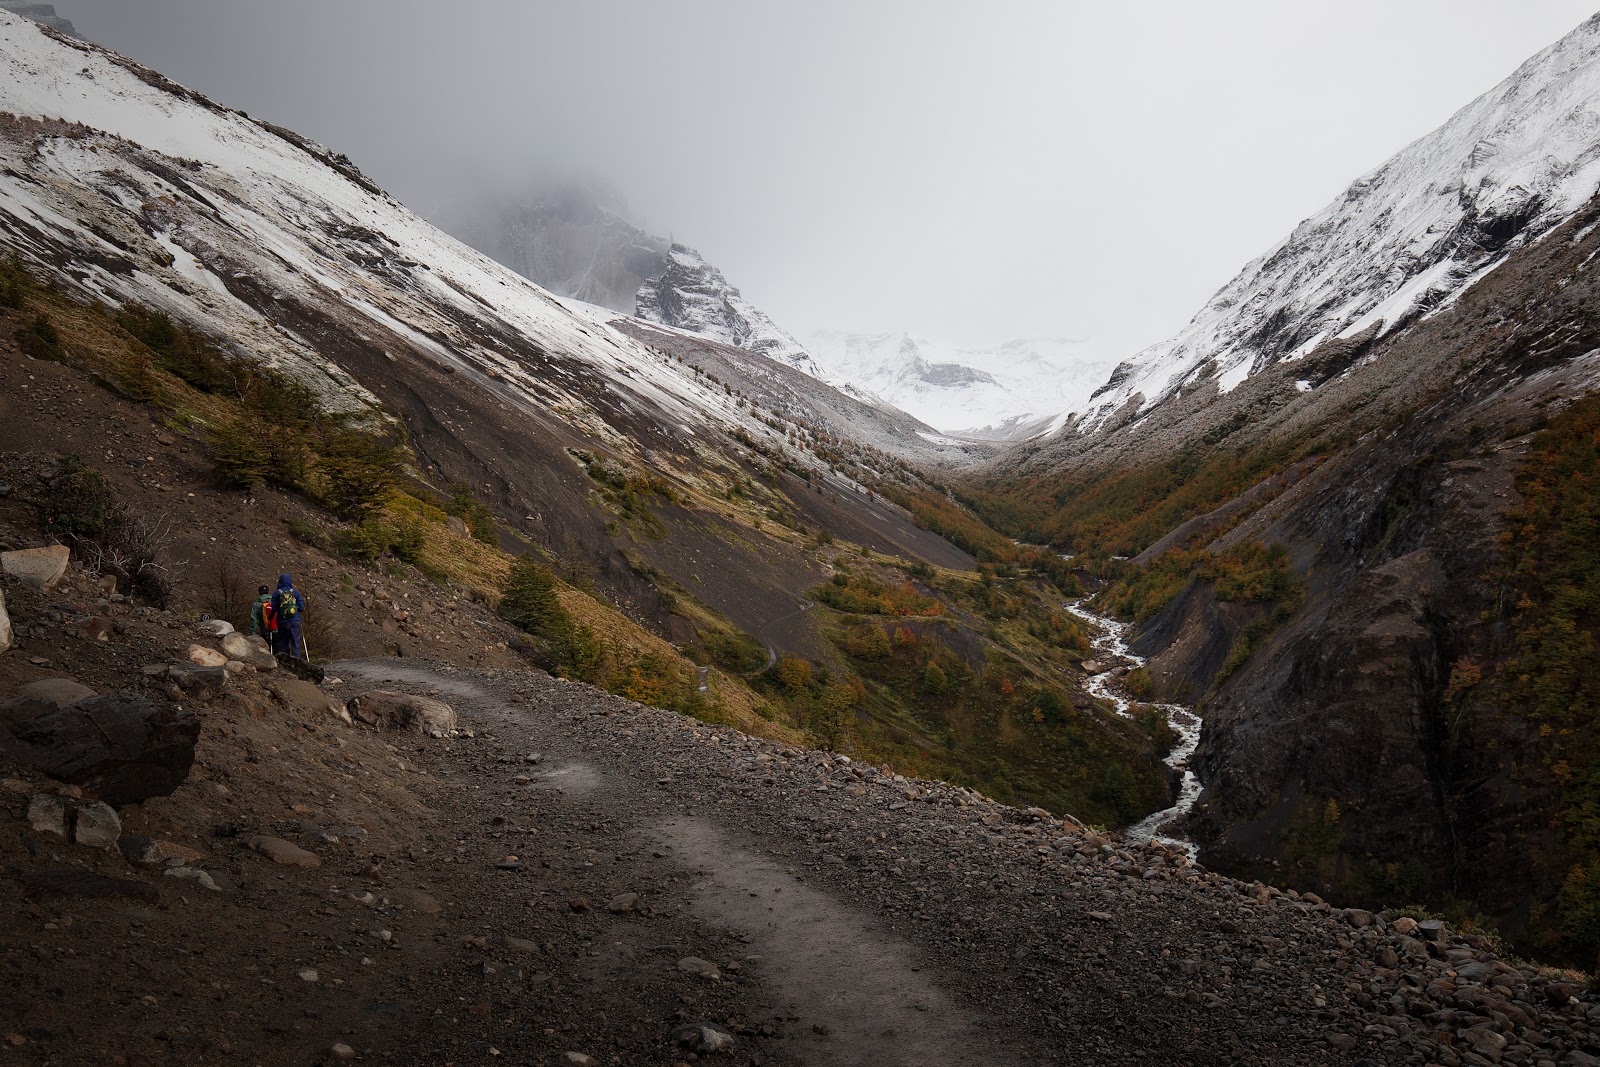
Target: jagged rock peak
693,295
1404,240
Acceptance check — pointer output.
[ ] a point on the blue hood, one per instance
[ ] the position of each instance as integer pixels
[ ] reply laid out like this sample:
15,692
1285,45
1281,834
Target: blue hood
285,581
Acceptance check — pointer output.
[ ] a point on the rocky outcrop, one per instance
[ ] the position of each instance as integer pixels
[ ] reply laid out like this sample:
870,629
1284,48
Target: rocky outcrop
7,634
691,294
121,748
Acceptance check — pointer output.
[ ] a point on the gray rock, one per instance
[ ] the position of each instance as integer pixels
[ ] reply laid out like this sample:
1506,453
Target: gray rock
121,748
47,814
196,682
702,1038
697,966
403,711
247,650
216,627
579,1059
95,825
41,568
7,635
623,903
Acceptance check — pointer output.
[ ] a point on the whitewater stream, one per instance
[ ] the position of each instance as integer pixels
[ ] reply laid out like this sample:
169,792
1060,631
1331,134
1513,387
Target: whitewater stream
1111,651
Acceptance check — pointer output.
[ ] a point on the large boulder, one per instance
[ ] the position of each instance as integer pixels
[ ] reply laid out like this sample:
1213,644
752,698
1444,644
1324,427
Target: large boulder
6,635
238,646
41,568
120,747
403,711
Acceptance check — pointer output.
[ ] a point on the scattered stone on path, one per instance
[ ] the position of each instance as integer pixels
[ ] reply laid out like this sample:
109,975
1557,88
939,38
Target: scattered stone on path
341,1052
578,1059
623,903
96,825
217,628
702,1038
119,747
1102,916
702,968
41,568
282,852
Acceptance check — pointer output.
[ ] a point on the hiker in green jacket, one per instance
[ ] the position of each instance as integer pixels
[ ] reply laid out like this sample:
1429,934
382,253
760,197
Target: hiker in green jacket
261,621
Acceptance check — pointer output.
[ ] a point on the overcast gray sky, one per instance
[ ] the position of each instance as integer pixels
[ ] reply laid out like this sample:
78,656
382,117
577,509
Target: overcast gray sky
970,170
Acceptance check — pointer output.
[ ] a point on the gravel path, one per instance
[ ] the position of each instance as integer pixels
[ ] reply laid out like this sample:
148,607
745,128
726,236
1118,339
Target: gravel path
576,880
864,918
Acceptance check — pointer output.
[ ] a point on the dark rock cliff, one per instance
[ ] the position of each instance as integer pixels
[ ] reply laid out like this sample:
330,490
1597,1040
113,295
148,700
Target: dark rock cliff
1330,756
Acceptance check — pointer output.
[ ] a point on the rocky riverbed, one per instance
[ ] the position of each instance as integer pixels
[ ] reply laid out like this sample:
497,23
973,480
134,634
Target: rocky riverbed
1113,658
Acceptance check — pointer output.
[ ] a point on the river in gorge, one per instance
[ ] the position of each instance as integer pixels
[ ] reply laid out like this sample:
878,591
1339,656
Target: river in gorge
1111,652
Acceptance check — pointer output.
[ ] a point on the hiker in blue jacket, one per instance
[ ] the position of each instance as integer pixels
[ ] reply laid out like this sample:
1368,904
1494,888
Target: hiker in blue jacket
287,607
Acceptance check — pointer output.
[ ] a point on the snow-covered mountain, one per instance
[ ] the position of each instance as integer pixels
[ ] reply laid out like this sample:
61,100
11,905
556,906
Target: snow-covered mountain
131,187
987,392
1405,240
572,237
693,295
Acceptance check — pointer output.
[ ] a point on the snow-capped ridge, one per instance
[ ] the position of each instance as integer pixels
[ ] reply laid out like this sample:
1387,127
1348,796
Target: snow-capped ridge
132,188
1400,242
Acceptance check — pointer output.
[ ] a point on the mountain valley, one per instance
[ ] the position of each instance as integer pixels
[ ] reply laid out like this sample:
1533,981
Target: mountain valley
682,690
